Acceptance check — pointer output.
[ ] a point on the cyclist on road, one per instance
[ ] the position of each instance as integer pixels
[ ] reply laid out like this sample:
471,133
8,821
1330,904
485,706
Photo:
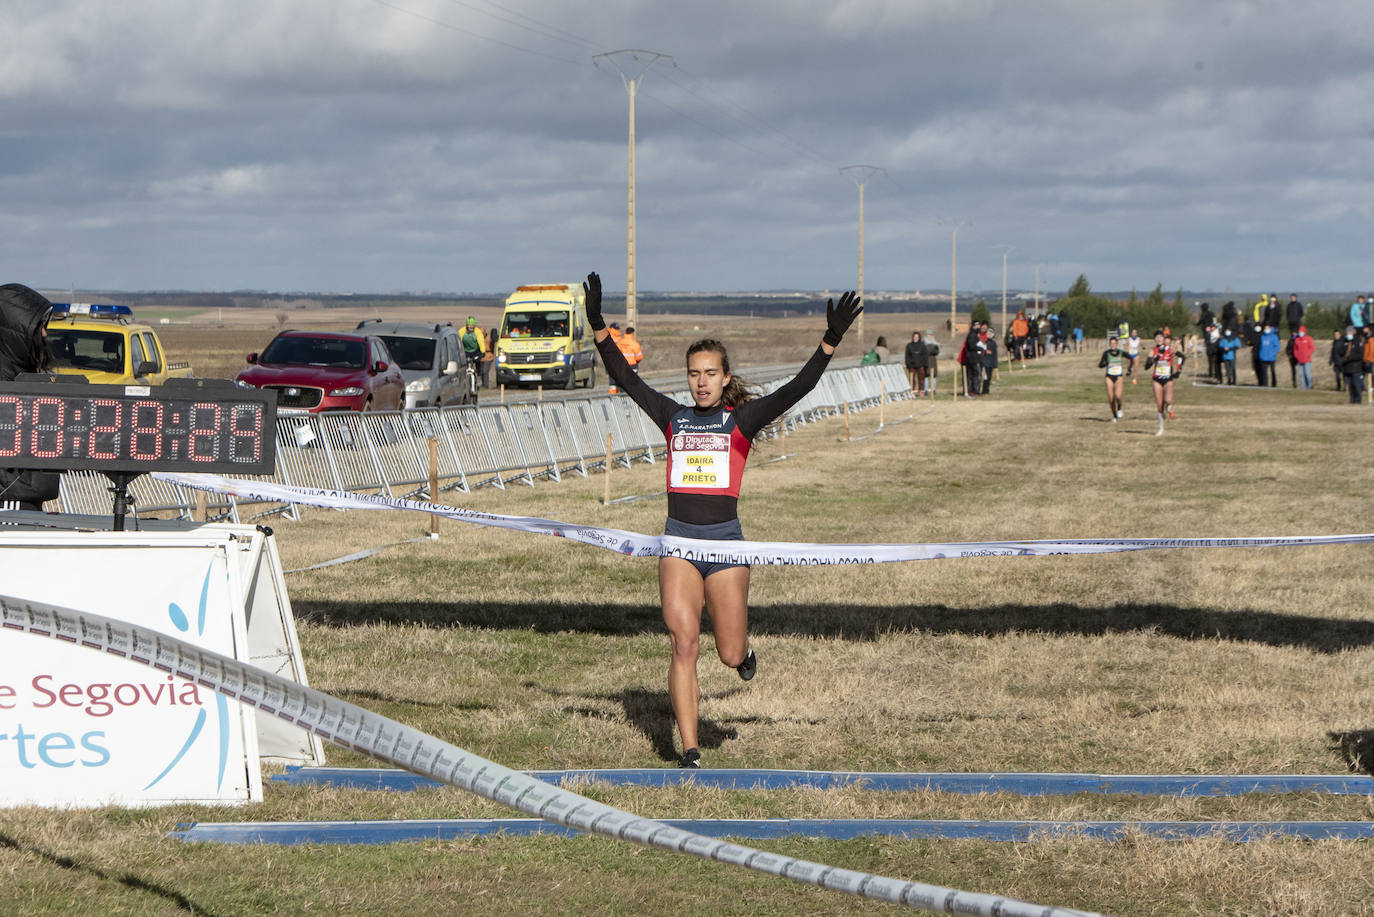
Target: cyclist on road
474,342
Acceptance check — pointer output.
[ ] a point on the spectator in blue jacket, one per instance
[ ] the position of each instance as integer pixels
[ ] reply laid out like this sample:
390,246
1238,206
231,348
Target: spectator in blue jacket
1268,354
1228,345
1357,309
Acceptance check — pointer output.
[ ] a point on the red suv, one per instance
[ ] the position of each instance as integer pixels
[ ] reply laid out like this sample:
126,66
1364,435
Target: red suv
327,371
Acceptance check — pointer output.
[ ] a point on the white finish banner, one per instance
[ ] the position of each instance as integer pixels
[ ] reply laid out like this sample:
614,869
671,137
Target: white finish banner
783,553
353,727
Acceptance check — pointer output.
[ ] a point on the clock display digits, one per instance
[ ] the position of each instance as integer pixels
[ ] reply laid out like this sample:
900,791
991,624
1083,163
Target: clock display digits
11,429
212,426
48,427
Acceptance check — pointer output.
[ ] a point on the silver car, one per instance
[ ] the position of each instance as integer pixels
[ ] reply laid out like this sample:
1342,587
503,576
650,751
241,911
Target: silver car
430,358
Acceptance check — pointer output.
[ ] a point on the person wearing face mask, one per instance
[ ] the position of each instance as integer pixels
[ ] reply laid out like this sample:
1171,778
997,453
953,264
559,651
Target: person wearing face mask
1303,347
1352,365
1337,359
708,443
1227,345
1268,356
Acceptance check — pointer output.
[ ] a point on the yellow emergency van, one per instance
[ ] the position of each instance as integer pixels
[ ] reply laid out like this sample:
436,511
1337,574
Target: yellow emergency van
545,339
102,342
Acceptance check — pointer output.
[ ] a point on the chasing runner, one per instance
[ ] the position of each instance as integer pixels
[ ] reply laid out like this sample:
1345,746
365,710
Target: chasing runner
1114,360
708,443
1165,362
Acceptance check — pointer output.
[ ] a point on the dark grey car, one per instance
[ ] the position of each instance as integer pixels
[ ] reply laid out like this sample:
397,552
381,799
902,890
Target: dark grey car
430,358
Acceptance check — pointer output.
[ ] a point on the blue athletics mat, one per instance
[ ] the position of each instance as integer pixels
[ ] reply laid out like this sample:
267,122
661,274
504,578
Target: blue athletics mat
389,832
1020,784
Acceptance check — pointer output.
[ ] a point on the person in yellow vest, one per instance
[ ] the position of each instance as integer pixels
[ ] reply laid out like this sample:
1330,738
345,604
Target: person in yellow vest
474,343
1260,307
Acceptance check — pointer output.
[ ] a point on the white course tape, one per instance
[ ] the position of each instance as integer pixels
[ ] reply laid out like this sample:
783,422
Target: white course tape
353,727
356,555
740,552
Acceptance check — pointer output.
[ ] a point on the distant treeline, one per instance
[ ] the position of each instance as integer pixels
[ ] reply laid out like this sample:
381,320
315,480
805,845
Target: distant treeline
650,304
1099,315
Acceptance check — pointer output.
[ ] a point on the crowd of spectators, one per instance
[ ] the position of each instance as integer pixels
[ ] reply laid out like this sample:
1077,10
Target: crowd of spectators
1259,330
1038,335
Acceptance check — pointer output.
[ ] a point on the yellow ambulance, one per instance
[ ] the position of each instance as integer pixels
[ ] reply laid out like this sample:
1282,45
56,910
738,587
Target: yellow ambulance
545,339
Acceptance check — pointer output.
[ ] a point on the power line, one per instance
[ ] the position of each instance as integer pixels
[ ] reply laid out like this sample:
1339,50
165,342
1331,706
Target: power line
539,28
471,34
577,38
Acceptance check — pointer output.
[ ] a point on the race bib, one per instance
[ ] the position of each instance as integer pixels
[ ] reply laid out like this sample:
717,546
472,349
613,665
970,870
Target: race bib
1163,371
700,460
1113,369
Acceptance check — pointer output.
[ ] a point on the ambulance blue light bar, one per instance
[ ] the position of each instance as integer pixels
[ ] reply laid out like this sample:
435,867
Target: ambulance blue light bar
94,310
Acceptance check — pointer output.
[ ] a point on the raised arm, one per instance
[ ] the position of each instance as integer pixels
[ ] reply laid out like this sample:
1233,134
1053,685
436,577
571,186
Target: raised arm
658,406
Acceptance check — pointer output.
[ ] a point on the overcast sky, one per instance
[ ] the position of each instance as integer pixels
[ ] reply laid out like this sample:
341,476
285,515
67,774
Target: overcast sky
471,145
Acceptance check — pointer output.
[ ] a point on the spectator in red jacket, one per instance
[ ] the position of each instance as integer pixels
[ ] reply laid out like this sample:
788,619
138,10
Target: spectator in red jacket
1303,348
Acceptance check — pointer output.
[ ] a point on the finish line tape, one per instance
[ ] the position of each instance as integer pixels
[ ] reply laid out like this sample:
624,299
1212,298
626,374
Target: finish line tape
350,726
756,553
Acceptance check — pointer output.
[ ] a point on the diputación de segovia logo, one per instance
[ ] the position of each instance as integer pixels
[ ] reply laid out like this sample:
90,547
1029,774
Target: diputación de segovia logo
182,624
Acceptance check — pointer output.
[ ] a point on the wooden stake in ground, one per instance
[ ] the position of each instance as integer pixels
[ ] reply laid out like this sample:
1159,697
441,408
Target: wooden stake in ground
433,485
606,498
846,420
202,511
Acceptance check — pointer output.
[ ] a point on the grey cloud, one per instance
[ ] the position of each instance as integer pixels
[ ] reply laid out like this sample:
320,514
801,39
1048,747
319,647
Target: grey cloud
344,144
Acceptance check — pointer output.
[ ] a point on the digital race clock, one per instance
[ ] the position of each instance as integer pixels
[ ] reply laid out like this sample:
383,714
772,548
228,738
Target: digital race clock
209,425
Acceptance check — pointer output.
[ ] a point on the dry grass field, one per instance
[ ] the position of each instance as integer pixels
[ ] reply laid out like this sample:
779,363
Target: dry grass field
215,342
540,653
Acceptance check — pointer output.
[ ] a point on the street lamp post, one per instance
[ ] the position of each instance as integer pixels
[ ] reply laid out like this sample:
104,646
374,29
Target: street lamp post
1006,250
955,226
642,61
860,175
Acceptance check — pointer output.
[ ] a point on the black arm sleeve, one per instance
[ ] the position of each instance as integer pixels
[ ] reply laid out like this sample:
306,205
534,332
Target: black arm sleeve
1102,362
754,415
657,405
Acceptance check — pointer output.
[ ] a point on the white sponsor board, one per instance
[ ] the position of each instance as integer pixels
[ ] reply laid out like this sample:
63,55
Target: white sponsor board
77,729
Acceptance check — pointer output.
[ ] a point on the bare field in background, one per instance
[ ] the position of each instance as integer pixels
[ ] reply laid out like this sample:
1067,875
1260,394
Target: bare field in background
541,653
216,341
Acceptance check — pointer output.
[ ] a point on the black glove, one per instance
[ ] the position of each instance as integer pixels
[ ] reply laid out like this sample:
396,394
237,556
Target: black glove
592,288
839,318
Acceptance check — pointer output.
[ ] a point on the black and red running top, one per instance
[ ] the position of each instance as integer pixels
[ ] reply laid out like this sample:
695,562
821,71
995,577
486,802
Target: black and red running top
707,447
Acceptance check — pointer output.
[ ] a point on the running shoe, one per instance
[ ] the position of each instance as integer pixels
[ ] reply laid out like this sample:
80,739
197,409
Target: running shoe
691,758
1118,413
1171,413
748,667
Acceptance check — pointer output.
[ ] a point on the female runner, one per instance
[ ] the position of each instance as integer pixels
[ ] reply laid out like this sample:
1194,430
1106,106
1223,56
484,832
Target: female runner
708,443
1165,363
1115,360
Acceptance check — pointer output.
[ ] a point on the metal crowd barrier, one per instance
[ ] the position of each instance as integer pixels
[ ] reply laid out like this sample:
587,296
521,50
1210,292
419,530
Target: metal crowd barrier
388,452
